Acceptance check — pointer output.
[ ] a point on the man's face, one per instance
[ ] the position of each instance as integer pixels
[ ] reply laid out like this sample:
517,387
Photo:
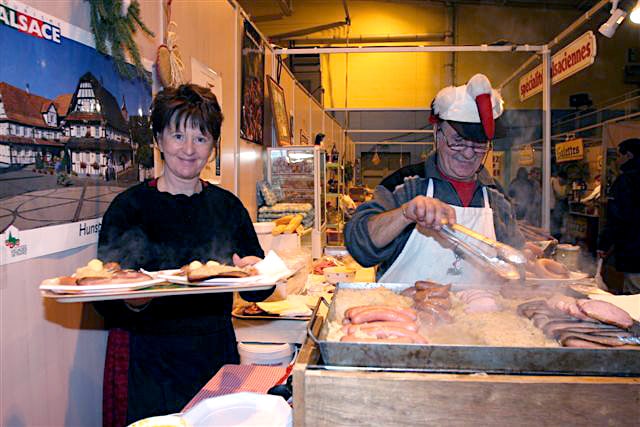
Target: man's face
458,158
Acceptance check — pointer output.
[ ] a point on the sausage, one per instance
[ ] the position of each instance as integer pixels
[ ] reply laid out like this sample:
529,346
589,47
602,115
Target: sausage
66,280
602,340
350,312
389,331
409,292
438,312
379,314
580,343
119,277
534,249
444,303
605,312
566,305
427,318
424,294
389,340
537,267
426,284
554,267
364,327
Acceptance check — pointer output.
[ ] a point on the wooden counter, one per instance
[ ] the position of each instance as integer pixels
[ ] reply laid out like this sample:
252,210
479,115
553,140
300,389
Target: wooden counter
349,397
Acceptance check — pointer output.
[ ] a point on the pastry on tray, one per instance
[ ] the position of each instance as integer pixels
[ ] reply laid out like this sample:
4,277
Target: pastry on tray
98,273
197,272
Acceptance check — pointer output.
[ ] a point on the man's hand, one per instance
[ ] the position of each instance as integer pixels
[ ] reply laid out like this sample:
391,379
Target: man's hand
245,261
428,212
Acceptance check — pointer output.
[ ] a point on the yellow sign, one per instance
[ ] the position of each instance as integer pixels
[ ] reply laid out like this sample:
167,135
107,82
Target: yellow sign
497,164
526,155
569,150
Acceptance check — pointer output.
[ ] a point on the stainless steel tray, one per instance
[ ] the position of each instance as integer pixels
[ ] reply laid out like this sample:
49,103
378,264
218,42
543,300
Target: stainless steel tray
472,358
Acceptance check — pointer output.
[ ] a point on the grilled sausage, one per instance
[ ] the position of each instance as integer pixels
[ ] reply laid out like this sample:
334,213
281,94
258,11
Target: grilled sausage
380,314
364,327
350,312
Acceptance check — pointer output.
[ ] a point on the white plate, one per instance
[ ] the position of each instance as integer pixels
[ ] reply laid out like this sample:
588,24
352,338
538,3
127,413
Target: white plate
87,289
241,410
573,275
266,316
259,279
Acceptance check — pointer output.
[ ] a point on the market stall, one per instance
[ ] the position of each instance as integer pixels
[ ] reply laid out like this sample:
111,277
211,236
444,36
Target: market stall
337,382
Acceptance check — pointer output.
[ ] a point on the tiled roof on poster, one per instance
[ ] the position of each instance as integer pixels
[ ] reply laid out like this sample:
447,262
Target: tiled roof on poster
23,107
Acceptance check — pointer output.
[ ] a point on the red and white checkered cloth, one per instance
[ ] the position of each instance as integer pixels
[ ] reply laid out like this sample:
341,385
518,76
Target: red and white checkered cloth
239,378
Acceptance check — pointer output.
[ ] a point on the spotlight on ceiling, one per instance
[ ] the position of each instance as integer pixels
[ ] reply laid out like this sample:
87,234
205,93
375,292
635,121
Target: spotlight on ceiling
609,28
635,14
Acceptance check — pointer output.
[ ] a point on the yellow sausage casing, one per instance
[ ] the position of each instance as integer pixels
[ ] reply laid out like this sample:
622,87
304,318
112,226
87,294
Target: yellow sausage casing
295,222
284,220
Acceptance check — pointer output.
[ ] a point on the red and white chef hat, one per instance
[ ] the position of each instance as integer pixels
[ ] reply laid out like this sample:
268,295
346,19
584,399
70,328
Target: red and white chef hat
472,109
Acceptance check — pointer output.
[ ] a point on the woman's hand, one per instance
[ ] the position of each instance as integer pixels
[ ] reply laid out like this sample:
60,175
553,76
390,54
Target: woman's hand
428,212
245,261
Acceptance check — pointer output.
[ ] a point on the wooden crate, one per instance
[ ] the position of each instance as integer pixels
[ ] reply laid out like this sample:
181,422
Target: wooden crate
385,398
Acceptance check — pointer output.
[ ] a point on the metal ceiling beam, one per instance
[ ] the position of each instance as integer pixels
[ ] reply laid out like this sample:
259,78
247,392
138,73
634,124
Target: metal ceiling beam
305,31
397,49
286,6
404,38
550,4
557,39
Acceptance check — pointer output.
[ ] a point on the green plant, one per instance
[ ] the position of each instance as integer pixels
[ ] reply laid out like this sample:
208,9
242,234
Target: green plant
144,154
113,31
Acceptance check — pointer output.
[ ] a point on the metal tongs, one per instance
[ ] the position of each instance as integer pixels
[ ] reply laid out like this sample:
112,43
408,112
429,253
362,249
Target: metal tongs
504,260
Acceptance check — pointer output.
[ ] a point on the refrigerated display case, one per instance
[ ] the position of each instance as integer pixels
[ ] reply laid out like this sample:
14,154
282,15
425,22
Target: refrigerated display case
299,171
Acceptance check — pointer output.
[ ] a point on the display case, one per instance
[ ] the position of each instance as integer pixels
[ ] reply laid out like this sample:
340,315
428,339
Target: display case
335,214
300,173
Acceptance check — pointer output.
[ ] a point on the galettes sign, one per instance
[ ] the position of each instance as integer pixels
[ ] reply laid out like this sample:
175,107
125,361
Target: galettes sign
29,24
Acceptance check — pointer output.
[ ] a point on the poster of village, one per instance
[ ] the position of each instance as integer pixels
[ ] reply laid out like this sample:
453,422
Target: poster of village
73,132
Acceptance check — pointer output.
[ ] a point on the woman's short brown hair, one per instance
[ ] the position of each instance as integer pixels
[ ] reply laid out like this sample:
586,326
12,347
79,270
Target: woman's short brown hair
186,103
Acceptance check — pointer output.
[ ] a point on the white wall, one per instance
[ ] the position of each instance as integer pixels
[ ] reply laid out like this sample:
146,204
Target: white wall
52,354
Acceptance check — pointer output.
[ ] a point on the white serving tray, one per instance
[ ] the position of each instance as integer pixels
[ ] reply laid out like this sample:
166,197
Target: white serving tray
156,291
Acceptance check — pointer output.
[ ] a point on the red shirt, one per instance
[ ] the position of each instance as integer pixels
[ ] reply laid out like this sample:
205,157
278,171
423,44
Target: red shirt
465,189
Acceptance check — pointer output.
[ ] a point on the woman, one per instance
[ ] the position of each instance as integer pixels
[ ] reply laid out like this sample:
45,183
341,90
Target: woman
162,351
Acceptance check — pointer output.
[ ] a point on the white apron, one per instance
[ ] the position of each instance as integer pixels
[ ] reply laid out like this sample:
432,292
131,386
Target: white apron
423,258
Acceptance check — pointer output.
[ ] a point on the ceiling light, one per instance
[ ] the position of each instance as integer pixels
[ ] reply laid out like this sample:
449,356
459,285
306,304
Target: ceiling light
609,28
635,14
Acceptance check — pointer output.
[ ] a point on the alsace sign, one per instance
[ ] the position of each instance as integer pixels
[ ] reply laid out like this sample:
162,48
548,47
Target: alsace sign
569,150
575,57
29,24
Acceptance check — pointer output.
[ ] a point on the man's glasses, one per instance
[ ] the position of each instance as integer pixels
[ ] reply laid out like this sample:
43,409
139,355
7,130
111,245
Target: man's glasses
478,148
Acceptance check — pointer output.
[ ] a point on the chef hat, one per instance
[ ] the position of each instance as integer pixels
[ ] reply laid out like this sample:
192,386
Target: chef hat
472,109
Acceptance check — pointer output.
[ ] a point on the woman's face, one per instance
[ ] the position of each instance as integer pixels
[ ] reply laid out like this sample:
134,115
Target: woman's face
186,150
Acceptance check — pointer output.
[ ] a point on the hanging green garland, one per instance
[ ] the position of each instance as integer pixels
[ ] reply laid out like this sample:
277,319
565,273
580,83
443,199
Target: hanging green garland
114,22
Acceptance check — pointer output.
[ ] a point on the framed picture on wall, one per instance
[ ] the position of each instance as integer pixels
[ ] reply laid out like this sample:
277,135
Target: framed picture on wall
252,102
204,76
279,112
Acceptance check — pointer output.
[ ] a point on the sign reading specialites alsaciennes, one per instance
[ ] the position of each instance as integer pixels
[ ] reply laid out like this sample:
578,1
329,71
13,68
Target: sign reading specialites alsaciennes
578,55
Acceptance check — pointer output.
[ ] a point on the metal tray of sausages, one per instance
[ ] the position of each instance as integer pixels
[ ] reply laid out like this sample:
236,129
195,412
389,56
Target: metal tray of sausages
466,359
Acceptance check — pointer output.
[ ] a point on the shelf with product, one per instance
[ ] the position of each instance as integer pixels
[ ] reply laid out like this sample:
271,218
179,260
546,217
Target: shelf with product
299,173
335,191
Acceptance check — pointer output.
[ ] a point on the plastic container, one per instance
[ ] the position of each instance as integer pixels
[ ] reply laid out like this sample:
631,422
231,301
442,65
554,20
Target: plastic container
265,238
335,275
569,255
265,354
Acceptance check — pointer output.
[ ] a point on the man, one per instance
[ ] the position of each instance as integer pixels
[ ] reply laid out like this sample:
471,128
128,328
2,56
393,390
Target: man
622,229
396,229
521,193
